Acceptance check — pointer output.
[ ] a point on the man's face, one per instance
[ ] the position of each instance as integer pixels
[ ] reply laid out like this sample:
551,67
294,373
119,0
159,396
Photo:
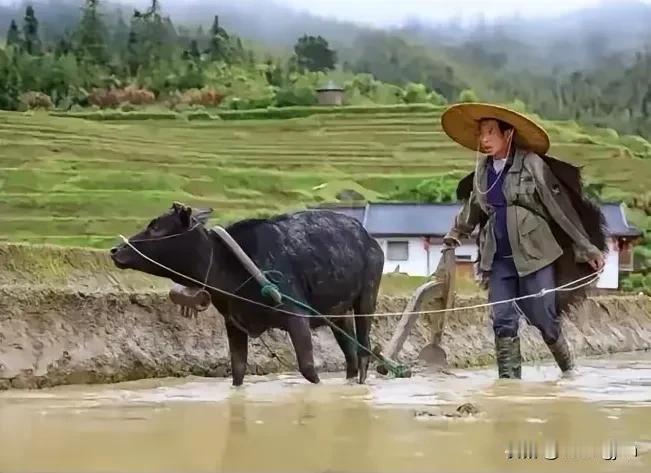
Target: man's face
492,140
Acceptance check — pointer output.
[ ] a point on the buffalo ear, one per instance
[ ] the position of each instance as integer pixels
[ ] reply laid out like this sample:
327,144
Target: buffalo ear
202,215
185,213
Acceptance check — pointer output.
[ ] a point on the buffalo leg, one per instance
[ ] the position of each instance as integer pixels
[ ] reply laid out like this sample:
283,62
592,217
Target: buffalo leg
365,305
299,332
238,344
346,345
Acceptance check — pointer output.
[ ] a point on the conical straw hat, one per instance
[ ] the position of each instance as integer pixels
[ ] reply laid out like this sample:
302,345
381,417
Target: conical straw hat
461,123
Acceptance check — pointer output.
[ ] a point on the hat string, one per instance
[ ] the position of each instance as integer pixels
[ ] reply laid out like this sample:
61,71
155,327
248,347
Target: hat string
508,152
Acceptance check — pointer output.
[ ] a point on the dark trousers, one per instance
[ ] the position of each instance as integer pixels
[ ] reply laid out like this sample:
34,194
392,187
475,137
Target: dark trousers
504,283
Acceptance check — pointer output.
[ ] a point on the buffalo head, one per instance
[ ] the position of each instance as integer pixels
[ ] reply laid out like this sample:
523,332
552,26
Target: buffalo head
172,239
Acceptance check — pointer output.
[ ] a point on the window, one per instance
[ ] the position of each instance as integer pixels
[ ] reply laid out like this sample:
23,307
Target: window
398,250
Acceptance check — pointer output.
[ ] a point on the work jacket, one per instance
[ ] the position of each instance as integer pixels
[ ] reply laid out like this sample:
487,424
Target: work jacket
534,197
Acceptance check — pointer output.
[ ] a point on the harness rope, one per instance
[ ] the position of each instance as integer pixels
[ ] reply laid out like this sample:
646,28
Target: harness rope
589,279
398,370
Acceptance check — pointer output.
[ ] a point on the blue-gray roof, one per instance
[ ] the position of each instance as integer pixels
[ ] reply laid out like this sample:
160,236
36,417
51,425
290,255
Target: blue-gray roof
330,86
383,219
410,219
617,222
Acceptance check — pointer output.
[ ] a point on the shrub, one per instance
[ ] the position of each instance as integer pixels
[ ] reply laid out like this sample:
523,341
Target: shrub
198,115
113,98
289,96
436,99
137,96
105,98
206,97
36,100
468,95
415,93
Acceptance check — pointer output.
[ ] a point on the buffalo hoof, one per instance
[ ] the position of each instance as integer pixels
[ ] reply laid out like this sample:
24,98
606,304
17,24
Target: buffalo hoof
382,369
314,379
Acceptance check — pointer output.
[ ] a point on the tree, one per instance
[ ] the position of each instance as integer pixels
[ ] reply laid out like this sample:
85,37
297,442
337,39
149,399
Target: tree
133,50
219,42
64,46
120,34
13,35
32,42
10,80
313,53
91,34
274,73
192,53
151,40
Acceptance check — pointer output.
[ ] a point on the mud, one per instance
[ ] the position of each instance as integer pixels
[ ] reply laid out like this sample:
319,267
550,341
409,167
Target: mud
60,335
468,421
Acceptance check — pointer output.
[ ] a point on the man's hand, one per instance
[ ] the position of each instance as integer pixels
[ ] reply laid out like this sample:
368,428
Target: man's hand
597,264
451,242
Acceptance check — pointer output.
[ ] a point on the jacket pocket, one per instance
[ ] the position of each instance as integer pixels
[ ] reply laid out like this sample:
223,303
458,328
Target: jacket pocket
528,223
530,229
527,185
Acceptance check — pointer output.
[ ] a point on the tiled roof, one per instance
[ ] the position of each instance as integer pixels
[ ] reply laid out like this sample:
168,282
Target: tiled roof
417,219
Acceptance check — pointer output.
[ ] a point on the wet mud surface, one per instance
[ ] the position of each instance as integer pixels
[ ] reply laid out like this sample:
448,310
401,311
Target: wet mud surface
282,423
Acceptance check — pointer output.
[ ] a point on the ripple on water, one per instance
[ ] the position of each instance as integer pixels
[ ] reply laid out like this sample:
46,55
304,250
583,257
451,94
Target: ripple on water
385,425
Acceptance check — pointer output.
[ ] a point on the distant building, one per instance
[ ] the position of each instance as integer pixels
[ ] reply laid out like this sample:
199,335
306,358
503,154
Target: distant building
411,236
330,94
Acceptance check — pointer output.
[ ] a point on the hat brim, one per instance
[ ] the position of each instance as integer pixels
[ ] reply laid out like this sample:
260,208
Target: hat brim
461,123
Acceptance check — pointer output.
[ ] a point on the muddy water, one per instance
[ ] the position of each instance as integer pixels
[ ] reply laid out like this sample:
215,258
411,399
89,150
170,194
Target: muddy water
283,424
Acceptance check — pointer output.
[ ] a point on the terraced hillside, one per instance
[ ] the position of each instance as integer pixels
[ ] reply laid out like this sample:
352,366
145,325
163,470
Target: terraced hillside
81,182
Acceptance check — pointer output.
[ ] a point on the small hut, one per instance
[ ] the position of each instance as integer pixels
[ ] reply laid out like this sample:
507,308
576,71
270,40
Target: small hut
330,94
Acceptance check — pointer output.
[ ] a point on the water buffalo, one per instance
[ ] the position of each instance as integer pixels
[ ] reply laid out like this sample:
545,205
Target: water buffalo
327,260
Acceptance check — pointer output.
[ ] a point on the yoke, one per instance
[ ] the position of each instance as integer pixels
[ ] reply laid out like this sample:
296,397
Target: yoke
194,300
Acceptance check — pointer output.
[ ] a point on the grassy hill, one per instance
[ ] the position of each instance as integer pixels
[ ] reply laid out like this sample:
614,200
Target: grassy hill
74,181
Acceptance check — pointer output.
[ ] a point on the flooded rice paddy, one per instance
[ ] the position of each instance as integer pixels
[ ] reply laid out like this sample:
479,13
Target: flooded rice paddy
283,424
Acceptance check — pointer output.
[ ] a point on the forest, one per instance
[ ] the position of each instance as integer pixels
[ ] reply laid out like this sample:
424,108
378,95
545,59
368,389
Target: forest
69,55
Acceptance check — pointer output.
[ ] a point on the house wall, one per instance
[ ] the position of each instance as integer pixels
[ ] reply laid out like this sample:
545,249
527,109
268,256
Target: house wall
330,97
417,263
609,279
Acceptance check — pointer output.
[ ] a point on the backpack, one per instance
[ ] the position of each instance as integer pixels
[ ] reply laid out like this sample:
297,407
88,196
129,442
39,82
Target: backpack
566,269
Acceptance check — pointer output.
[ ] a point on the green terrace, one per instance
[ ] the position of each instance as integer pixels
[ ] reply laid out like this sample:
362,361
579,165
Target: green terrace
81,179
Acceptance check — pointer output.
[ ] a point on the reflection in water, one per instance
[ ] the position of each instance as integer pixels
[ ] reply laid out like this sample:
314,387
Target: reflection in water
283,424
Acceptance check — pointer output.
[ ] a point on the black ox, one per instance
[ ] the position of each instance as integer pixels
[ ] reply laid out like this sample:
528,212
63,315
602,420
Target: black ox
327,260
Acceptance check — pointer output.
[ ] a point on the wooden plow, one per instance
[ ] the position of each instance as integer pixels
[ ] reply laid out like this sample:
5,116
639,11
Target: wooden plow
436,294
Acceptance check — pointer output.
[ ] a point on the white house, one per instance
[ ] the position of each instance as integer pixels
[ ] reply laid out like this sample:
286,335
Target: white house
411,236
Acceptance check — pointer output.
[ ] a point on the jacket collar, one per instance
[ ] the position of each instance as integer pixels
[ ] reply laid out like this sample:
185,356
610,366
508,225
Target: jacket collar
515,161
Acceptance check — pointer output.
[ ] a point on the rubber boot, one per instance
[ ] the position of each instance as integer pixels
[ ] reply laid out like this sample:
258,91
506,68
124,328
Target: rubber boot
509,360
562,354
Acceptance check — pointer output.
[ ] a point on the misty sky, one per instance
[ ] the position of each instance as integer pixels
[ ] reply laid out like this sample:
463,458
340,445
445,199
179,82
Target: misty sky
393,12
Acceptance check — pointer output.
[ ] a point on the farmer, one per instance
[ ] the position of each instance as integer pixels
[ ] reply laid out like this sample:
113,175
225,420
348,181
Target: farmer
516,189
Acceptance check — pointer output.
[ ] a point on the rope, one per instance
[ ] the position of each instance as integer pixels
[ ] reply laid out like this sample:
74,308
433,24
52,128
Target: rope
397,370
266,291
565,287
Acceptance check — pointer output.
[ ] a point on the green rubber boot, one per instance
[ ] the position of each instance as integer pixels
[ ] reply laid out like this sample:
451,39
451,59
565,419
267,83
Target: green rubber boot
562,354
509,359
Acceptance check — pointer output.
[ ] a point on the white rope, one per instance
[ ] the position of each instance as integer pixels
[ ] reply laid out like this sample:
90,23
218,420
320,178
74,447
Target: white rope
499,175
589,279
